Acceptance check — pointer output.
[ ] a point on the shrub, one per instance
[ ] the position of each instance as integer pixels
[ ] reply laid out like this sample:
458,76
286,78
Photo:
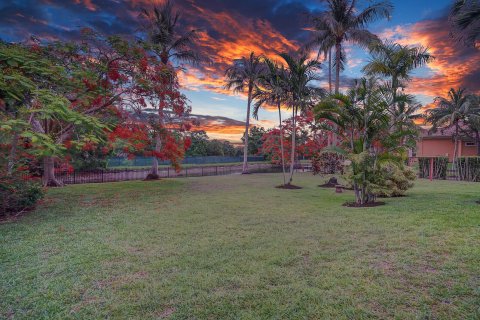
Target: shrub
440,165
469,168
17,193
327,163
393,180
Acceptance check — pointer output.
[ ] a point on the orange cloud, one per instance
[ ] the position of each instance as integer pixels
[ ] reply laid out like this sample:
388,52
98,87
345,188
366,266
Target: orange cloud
454,65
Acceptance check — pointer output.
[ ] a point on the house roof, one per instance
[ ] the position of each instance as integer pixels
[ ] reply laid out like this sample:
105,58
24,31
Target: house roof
441,133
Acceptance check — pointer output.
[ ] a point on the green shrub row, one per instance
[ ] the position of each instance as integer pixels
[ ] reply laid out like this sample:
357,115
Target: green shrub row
440,165
469,169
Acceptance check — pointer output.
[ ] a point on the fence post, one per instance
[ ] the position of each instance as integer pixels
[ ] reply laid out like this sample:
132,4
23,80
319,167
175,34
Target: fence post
102,175
168,172
202,171
74,174
186,172
216,170
431,169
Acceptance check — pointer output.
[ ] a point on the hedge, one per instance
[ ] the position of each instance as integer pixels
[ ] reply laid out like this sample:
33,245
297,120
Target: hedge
469,168
440,165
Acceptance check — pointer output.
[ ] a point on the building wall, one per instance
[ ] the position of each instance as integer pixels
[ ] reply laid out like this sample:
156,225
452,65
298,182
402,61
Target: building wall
443,147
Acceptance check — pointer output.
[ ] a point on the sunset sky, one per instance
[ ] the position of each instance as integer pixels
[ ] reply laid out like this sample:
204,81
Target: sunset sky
231,28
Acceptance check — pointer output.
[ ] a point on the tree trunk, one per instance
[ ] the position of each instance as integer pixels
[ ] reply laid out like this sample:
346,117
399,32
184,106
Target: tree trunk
49,179
330,71
455,150
292,156
338,54
153,175
13,154
281,145
247,126
477,138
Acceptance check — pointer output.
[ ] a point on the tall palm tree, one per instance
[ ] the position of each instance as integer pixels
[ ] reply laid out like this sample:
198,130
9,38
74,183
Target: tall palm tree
451,112
272,90
465,17
245,73
345,23
165,40
301,94
396,63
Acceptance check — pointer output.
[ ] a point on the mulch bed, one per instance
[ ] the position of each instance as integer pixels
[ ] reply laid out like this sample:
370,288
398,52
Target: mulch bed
151,177
366,205
288,186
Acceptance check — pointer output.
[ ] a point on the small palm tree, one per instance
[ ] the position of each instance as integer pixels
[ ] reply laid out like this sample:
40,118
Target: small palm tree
465,17
301,95
245,73
272,90
343,22
450,112
396,63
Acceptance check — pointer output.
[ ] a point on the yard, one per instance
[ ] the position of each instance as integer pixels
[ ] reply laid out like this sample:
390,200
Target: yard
235,247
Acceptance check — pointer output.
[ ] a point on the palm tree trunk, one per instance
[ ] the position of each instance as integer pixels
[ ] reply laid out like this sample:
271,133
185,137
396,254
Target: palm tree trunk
13,154
477,138
49,179
292,155
281,144
330,71
455,150
247,126
338,54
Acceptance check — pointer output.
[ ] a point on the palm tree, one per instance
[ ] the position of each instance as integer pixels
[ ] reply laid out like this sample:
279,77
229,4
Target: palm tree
465,17
272,91
343,22
450,112
164,39
395,62
300,93
245,73
163,36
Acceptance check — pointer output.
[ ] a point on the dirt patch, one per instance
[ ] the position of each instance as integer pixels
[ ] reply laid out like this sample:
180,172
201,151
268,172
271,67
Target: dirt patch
166,313
366,205
288,186
120,281
478,202
152,176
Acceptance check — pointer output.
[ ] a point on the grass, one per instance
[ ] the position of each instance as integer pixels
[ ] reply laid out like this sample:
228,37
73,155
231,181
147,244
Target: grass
235,247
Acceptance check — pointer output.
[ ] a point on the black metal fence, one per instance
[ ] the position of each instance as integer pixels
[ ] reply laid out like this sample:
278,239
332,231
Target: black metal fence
114,175
147,161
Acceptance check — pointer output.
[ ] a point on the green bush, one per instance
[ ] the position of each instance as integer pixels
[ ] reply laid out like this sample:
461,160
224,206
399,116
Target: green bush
393,180
18,193
469,168
440,165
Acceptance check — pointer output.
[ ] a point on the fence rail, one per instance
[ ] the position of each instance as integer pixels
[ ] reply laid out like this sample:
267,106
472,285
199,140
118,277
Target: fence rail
115,175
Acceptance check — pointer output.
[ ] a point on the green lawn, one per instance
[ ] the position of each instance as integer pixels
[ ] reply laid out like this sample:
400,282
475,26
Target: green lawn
234,247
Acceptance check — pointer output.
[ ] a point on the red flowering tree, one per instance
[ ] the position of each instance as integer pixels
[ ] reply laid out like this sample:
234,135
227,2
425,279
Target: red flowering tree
310,139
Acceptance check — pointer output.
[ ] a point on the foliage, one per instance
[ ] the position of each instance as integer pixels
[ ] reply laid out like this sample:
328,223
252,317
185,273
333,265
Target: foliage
245,74
440,166
361,119
469,168
465,18
202,146
18,192
310,140
255,142
327,163
343,22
